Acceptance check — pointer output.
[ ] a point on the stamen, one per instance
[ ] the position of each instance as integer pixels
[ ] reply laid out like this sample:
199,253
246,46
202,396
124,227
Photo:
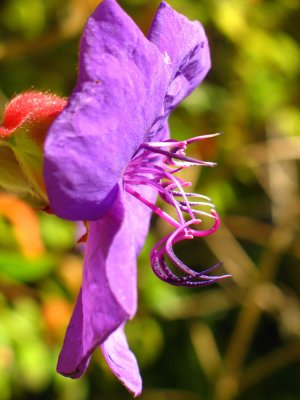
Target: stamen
153,207
191,161
156,165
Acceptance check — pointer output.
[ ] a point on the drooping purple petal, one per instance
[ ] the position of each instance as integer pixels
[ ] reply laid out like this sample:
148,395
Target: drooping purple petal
184,46
108,295
122,361
119,95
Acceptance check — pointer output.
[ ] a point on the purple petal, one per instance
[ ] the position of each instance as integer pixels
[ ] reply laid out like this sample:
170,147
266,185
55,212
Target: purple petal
122,361
109,293
184,46
119,95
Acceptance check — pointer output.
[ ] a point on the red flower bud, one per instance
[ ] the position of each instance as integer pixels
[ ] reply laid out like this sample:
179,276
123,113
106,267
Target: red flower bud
26,121
35,107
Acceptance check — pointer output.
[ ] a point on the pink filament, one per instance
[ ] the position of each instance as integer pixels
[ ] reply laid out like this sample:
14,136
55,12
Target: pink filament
156,165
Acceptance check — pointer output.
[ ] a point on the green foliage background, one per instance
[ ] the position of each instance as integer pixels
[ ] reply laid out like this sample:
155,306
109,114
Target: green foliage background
237,340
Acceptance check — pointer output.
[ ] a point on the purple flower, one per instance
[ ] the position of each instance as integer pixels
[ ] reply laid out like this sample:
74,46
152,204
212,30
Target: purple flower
108,155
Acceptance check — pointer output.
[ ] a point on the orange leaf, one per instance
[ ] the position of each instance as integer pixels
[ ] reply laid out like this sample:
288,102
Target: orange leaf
25,224
56,312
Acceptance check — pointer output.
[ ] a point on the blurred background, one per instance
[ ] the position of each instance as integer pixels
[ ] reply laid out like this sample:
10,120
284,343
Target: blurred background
239,339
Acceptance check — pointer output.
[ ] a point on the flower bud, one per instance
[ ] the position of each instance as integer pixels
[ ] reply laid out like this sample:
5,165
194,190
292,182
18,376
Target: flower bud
26,120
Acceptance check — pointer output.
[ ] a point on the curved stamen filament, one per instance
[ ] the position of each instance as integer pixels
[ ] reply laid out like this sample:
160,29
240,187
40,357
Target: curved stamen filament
161,269
161,190
165,194
187,205
153,207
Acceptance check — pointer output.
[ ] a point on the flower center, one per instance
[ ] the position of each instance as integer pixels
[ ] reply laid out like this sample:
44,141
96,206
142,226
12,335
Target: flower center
156,165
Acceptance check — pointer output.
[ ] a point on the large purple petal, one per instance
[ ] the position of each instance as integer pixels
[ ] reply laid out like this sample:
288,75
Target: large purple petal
122,361
184,46
119,95
109,294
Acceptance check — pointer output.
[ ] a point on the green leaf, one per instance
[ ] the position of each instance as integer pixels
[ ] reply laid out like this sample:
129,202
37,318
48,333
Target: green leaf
16,266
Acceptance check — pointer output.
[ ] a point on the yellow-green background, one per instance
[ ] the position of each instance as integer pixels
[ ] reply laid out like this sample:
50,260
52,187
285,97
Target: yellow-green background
236,340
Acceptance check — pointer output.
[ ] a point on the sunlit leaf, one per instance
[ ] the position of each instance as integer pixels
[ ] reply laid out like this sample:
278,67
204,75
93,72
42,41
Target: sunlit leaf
16,266
25,224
